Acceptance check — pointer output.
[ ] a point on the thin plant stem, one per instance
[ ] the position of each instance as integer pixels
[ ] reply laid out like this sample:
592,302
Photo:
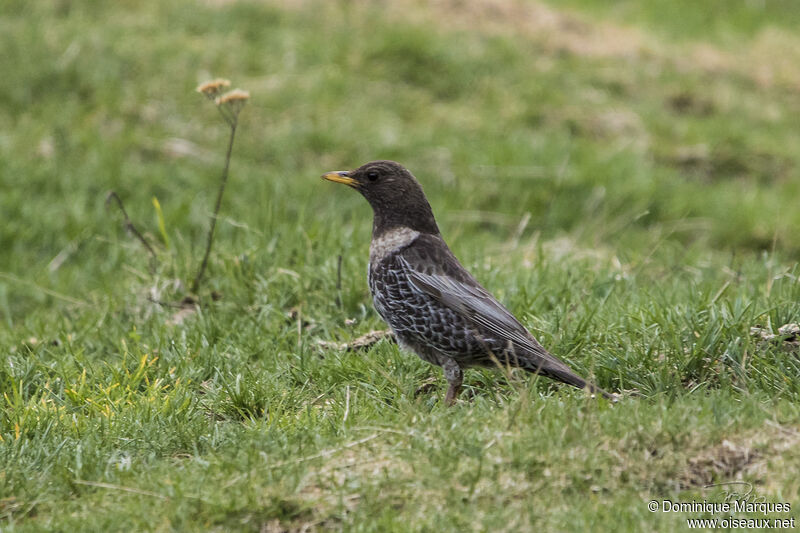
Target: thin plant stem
339,281
112,195
222,183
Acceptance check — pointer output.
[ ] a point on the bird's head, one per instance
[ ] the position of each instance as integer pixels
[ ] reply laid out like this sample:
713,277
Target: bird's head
393,192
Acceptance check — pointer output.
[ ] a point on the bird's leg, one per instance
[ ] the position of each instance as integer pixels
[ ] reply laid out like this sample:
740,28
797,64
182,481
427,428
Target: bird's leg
454,376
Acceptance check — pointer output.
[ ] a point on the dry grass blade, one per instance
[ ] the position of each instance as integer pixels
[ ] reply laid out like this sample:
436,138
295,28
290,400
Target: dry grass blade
325,453
361,343
111,486
130,226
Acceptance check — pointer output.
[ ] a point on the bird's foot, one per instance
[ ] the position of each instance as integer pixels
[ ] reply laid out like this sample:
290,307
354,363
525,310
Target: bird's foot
454,376
452,394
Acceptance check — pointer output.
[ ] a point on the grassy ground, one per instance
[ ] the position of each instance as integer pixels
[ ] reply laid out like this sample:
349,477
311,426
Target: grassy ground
623,175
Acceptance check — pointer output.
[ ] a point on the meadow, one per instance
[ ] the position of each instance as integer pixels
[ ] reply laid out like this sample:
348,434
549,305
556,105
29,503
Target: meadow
624,176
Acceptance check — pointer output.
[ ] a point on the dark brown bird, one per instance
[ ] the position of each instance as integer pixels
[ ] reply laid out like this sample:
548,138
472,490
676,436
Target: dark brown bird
434,306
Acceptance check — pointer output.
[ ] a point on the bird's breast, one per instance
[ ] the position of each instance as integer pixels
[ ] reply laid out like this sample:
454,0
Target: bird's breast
390,241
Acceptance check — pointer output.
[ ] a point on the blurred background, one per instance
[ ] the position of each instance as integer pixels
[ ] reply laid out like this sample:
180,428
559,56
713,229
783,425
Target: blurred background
609,128
623,175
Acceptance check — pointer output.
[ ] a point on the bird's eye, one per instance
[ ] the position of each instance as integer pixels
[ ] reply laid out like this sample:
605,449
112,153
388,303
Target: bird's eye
372,175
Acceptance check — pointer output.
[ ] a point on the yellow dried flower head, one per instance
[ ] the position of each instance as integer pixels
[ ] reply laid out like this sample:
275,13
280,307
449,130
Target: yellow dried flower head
232,102
212,88
234,96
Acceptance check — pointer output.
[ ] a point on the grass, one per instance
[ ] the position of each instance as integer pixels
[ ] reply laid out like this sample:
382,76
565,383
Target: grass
625,182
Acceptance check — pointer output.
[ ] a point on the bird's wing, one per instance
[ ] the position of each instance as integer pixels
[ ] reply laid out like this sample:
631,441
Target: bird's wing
449,284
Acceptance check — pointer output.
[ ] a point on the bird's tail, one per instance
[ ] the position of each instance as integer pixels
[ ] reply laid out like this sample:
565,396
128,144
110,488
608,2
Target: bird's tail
555,369
575,380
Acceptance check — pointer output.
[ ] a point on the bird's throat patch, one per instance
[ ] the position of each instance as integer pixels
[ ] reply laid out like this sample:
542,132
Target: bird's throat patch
390,241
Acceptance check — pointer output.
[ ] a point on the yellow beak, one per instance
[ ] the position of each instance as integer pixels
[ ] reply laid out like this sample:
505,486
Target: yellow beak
340,176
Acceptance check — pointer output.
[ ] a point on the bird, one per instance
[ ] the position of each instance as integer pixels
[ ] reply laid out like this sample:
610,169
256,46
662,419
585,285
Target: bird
433,305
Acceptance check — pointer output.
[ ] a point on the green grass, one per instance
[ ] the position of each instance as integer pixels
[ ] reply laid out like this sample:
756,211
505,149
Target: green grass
635,205
713,20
